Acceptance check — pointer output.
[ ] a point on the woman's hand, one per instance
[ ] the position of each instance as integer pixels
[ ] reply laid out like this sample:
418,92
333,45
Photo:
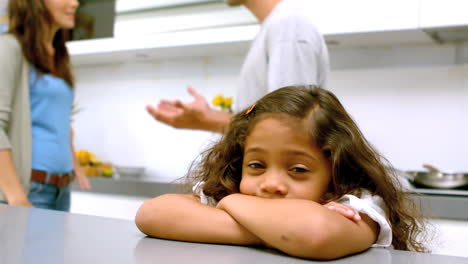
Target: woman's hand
82,179
20,202
344,211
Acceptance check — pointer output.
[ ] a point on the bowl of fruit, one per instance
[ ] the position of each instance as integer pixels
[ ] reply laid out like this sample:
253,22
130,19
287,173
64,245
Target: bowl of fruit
92,166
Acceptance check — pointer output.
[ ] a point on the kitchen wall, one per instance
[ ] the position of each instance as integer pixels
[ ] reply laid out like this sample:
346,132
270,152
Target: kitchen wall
410,102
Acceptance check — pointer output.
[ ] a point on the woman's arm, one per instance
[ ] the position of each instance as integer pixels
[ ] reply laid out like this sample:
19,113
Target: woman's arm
81,177
183,217
9,182
301,228
10,73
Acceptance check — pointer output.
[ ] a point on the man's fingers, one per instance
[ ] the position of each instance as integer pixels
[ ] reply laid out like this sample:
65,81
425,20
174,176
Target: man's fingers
162,106
179,104
194,93
151,110
166,102
167,116
155,112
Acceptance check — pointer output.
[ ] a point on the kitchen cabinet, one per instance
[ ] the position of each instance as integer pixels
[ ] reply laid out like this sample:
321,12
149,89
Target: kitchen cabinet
196,43
445,21
337,16
446,13
344,23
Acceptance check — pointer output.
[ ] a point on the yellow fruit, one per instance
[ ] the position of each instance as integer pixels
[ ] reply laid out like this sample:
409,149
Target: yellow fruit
84,157
93,171
227,102
106,172
217,100
106,165
95,162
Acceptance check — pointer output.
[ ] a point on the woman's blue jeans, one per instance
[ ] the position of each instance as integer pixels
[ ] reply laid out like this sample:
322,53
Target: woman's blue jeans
47,196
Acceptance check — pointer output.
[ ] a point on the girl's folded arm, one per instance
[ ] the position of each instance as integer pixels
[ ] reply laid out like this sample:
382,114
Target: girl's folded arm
183,217
301,228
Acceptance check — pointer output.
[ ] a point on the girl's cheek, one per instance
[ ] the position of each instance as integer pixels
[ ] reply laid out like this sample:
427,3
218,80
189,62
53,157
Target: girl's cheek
244,188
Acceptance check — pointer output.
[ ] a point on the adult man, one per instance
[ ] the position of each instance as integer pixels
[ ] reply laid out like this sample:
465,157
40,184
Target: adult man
287,51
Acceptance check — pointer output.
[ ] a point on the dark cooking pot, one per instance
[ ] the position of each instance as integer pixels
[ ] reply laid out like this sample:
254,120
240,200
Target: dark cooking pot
437,179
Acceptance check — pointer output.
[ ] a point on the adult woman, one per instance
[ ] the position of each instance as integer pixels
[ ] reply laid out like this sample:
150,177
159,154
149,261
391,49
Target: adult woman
36,97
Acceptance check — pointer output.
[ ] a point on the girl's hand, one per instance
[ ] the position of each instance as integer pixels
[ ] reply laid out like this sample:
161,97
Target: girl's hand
344,211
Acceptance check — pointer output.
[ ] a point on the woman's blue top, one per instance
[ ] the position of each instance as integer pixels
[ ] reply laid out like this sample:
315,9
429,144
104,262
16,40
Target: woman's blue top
51,105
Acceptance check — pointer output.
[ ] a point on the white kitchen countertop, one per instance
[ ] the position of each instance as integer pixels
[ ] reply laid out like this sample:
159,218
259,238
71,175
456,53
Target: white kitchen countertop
53,237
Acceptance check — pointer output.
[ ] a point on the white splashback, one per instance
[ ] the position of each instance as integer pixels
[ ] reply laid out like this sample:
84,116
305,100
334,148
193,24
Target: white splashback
115,125
413,115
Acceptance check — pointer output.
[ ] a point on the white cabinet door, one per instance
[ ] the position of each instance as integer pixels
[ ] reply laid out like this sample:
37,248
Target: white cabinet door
344,16
443,13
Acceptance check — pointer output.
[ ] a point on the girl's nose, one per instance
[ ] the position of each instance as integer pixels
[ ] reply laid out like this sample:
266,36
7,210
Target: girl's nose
274,186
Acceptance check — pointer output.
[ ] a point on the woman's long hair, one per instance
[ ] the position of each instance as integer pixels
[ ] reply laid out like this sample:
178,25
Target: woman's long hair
355,164
29,22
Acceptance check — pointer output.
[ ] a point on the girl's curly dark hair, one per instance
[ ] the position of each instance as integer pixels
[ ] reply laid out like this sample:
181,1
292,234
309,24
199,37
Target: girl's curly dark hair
355,164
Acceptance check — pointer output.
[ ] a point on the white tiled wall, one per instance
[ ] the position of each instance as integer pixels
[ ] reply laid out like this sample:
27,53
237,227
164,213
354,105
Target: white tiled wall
413,115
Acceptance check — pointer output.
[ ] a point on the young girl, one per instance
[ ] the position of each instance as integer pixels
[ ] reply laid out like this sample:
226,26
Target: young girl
272,179
36,97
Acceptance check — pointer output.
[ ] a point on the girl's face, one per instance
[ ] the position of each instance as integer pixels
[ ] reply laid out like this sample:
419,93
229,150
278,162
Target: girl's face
280,161
62,12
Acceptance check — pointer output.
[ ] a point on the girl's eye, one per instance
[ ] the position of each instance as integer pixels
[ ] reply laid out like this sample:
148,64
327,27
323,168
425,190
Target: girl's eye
255,165
299,169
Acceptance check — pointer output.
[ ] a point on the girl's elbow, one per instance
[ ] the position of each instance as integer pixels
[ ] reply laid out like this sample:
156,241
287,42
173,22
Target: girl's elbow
145,217
155,215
